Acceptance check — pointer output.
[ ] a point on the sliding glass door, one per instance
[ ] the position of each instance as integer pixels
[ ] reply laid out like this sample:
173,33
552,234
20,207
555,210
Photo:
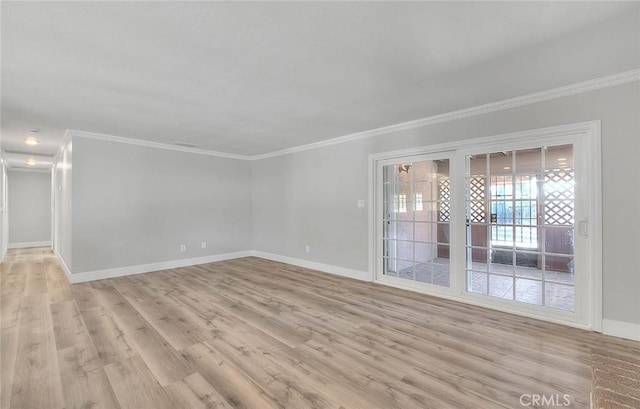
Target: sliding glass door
509,222
416,221
520,225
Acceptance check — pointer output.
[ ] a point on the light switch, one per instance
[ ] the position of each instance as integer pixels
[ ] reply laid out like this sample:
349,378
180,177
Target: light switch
361,203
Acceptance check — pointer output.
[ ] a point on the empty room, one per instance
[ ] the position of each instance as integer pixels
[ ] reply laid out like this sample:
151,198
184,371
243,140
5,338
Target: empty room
322,205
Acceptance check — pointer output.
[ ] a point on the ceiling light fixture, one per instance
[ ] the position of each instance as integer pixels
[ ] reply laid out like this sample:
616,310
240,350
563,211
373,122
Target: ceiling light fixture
30,140
30,162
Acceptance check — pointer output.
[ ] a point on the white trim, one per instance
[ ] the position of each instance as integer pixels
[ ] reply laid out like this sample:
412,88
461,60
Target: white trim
64,266
594,167
131,141
554,93
621,329
372,214
58,155
146,268
165,265
312,265
27,245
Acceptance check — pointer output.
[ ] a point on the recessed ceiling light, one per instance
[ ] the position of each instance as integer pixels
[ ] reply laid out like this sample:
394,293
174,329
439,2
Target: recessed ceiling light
506,168
30,140
30,162
559,159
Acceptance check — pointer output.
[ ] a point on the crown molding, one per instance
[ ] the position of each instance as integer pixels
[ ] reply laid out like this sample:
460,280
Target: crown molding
139,142
554,93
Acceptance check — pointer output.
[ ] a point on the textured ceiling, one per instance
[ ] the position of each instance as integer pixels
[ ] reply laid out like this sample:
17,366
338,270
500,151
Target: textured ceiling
251,78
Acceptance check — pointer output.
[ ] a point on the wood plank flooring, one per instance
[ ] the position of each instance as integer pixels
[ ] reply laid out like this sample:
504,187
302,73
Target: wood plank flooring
251,333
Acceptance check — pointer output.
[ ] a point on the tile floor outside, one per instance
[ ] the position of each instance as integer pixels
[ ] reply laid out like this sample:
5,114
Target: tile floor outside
525,286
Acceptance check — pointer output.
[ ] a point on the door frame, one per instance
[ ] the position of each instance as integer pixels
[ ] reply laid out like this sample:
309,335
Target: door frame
586,137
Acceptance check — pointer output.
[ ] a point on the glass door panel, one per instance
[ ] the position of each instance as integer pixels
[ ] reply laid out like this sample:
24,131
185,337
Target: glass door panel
519,230
416,219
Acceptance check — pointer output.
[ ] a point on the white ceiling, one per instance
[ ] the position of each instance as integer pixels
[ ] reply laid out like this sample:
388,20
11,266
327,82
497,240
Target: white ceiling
252,78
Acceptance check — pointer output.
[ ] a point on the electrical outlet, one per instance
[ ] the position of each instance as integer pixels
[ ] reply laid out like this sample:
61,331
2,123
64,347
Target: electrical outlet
361,203
203,245
307,248
183,248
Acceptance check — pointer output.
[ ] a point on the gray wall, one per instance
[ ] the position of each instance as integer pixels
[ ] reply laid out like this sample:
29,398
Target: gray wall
29,202
63,178
135,205
3,211
310,197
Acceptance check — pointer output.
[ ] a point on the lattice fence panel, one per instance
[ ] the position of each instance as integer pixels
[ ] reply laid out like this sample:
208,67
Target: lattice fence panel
444,190
477,206
559,197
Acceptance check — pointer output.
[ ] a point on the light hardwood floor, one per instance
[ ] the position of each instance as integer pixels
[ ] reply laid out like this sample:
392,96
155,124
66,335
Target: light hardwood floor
251,333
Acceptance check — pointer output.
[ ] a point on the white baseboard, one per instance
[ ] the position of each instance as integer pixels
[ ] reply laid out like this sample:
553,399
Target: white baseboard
146,268
614,328
29,244
164,265
64,266
326,268
621,329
